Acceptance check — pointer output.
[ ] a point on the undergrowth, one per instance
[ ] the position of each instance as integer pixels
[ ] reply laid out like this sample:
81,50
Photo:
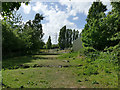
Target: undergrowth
102,64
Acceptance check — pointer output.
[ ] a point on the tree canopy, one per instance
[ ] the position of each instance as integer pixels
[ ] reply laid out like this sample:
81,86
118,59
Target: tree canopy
9,7
23,39
102,30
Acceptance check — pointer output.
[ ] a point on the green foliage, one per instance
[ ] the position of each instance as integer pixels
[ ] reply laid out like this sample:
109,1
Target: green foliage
101,38
95,11
91,70
79,81
98,69
116,5
49,44
21,39
69,55
55,46
75,34
101,71
112,31
107,70
95,82
66,37
62,37
9,7
10,41
44,47
102,31
89,49
89,52
37,33
92,32
27,38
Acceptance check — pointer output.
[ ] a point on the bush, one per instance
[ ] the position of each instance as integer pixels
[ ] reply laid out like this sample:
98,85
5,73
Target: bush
95,82
54,46
91,70
107,70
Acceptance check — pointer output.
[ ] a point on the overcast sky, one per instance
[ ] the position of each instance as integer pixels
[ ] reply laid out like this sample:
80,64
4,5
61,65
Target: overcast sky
58,14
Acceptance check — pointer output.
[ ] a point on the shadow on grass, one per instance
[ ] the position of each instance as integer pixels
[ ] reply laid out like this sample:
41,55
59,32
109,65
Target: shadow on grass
17,62
44,58
47,54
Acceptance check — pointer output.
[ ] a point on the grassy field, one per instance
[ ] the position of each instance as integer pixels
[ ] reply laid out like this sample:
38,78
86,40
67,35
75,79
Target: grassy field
68,70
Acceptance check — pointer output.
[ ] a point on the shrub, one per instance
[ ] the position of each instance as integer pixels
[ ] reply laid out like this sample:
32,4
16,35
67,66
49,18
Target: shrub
95,82
107,70
54,46
89,52
91,70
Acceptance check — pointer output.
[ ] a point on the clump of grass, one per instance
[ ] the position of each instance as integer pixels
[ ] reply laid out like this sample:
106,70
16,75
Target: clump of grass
90,70
31,83
108,70
79,81
69,55
95,82
44,81
16,79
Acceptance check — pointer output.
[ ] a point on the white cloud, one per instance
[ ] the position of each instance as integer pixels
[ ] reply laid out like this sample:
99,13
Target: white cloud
81,6
80,30
26,8
39,7
74,7
56,19
75,18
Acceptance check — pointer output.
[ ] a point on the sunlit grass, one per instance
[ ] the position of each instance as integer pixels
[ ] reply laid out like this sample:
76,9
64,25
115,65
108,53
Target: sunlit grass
81,72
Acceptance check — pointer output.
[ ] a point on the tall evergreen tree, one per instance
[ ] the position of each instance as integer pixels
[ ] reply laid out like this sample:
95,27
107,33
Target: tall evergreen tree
73,34
66,37
76,34
69,38
49,44
62,39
